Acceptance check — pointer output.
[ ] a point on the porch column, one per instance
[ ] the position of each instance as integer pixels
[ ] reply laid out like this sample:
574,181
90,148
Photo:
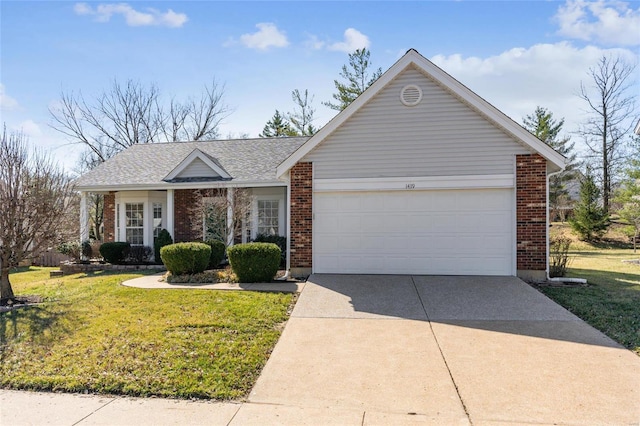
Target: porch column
84,217
170,213
230,227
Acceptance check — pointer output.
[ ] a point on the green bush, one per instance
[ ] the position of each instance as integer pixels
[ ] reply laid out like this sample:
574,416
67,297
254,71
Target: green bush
254,262
185,258
115,252
87,251
278,240
139,255
163,239
217,253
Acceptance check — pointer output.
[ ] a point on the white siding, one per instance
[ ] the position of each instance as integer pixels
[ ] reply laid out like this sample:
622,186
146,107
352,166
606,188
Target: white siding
439,137
197,168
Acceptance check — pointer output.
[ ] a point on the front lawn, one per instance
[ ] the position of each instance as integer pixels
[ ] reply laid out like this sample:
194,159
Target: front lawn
92,334
611,300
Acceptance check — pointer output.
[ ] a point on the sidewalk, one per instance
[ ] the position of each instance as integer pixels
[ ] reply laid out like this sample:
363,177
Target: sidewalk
21,408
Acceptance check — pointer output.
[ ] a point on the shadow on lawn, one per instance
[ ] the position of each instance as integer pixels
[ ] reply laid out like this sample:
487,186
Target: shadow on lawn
40,324
626,281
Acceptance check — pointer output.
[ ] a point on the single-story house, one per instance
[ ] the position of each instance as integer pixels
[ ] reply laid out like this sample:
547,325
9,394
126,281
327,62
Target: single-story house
419,175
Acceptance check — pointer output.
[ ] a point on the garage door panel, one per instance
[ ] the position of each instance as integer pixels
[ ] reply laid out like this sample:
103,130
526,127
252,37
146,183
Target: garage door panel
418,232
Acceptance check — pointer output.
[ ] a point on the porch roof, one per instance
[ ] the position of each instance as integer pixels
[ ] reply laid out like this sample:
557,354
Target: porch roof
146,165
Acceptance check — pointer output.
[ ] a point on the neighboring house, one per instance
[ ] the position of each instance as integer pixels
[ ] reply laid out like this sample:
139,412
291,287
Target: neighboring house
419,175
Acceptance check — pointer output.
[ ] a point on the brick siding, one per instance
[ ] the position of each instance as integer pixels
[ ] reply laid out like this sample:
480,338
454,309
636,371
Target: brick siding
301,215
531,212
188,214
109,217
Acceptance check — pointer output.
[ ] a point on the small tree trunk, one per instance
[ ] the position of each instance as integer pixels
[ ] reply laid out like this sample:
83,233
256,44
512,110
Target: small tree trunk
6,292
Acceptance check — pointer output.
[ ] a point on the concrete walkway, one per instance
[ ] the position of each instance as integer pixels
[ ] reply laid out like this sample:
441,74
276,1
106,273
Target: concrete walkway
365,350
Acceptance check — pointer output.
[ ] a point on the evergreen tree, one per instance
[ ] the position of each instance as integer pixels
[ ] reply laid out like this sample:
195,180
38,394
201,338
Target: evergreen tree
628,195
277,127
546,128
357,79
590,219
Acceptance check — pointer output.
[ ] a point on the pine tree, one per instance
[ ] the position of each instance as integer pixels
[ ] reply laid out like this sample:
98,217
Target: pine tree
357,77
546,128
628,195
277,127
590,219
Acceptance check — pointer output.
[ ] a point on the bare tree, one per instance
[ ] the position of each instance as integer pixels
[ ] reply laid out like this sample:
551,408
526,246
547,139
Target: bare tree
301,118
609,107
216,207
132,113
34,197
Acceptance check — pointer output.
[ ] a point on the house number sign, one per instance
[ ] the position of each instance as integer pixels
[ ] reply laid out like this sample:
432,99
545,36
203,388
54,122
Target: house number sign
410,186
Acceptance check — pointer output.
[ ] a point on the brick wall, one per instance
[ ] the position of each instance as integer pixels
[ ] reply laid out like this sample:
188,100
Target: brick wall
188,212
109,217
531,205
301,216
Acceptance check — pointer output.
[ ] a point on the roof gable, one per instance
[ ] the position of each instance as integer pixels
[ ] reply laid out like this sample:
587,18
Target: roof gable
413,59
197,165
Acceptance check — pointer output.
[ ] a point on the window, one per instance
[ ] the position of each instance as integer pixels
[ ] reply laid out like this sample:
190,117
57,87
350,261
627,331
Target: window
134,223
118,222
215,219
157,219
268,215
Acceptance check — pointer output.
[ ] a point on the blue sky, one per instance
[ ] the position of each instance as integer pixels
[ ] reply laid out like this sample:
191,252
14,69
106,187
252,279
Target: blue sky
515,54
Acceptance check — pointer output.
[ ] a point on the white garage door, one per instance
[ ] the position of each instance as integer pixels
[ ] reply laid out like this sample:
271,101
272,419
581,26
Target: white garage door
452,232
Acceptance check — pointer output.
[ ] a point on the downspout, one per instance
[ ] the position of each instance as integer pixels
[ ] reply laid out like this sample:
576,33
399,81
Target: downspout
288,228
549,278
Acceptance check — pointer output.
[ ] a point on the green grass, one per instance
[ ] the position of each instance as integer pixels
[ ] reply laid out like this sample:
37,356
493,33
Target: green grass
92,334
611,301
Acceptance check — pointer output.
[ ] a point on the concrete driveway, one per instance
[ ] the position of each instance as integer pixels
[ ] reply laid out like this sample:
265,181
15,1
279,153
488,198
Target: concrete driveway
440,350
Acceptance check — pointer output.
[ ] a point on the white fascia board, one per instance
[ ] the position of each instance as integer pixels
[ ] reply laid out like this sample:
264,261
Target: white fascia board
414,183
196,153
412,57
181,185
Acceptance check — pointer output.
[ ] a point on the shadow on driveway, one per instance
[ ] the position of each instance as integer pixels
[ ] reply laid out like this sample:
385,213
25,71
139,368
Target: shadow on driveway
500,304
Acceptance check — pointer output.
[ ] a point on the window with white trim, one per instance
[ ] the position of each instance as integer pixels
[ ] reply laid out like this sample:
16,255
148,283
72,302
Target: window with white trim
134,223
157,219
268,217
118,222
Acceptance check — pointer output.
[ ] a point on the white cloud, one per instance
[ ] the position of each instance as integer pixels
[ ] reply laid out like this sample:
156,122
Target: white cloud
518,80
133,18
7,103
610,22
267,36
314,43
30,128
353,40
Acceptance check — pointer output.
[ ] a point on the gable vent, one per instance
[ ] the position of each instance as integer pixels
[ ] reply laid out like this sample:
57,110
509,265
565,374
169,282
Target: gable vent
410,95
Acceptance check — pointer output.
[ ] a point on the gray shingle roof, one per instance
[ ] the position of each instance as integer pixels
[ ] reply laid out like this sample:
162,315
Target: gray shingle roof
246,160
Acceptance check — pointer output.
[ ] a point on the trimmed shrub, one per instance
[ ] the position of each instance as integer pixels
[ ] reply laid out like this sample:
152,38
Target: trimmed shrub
115,252
139,255
185,258
254,262
163,239
87,251
217,253
277,240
